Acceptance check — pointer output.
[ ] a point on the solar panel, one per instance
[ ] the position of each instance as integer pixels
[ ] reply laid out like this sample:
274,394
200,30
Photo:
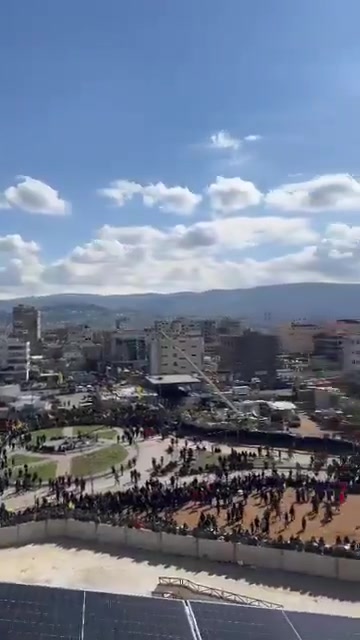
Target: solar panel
31,612
232,622
46,613
134,618
313,625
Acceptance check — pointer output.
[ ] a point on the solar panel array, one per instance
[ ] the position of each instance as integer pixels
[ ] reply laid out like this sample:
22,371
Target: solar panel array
132,618
45,613
31,613
232,622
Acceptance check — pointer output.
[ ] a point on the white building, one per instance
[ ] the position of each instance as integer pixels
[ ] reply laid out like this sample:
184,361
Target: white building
351,353
14,359
297,337
174,348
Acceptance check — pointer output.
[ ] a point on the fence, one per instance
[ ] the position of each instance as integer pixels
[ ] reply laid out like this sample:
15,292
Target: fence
187,546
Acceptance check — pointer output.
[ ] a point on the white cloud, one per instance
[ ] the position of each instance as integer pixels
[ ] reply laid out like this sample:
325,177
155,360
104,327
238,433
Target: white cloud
240,232
229,195
333,192
343,236
190,257
253,137
224,140
172,199
176,199
34,196
20,267
218,253
120,191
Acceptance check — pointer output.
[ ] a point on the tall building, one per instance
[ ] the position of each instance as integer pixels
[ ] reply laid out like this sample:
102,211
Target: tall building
26,324
208,328
129,349
250,355
174,348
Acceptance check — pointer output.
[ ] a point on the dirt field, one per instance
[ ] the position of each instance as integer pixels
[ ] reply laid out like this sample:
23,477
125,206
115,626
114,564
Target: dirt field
346,522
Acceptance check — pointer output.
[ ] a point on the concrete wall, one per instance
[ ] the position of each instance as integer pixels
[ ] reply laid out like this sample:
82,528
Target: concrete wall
215,550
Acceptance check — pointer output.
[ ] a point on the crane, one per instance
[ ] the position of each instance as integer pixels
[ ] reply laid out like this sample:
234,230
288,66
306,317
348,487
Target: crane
212,384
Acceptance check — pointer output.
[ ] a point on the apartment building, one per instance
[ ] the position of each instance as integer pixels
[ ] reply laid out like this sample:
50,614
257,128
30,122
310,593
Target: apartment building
351,353
14,359
329,343
174,348
297,337
129,349
250,355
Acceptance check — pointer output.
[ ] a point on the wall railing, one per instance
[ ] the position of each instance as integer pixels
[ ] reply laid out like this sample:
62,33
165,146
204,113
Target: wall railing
213,592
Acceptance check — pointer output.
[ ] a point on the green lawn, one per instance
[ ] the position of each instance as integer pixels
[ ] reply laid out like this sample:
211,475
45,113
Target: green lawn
98,461
20,459
96,429
56,432
86,428
45,471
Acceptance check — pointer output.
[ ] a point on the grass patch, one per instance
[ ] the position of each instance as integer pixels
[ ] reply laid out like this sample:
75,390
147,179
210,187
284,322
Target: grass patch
98,461
56,432
86,428
45,471
20,459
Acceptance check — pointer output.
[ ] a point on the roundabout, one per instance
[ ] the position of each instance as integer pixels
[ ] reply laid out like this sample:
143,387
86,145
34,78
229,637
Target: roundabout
44,455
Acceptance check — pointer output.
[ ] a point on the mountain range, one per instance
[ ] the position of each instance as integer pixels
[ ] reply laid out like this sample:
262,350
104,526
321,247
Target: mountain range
263,305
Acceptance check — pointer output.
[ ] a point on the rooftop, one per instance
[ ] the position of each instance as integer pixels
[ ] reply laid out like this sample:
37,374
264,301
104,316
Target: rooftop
173,379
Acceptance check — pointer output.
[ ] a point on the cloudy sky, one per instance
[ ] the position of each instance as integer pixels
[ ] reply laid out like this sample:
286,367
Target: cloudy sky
166,145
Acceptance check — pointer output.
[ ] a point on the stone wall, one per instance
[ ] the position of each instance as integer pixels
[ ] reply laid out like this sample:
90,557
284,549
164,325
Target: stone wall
188,546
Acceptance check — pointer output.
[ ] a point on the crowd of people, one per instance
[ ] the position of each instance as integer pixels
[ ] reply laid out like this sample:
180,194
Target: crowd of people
155,505
222,503
123,415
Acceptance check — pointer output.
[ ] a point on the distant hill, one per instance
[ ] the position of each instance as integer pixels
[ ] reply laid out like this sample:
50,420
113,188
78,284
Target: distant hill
308,301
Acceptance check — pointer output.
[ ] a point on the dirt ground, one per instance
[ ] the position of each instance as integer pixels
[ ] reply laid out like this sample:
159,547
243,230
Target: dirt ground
345,522
310,428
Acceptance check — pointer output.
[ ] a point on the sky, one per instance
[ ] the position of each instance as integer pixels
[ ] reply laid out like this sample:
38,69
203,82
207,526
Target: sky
175,145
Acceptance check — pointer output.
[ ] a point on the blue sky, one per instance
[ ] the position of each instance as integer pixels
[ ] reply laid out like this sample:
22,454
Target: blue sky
164,94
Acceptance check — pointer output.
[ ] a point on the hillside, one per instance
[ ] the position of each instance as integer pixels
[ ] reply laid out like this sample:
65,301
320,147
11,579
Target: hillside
283,302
